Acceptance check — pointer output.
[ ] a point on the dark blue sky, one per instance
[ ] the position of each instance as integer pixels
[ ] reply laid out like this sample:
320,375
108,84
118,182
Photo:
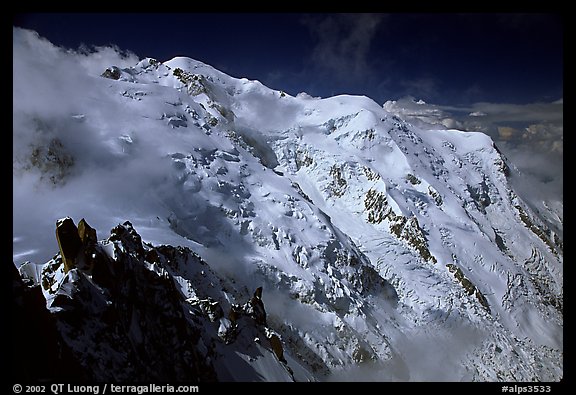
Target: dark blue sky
449,59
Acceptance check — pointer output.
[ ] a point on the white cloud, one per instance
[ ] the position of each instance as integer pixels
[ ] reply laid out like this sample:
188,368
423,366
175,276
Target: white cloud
343,43
58,148
421,114
507,112
416,356
98,59
33,57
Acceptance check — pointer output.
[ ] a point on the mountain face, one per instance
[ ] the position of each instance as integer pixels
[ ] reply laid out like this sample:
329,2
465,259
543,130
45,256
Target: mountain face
260,236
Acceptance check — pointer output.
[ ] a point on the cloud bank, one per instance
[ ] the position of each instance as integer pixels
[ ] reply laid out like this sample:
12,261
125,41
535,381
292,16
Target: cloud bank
63,147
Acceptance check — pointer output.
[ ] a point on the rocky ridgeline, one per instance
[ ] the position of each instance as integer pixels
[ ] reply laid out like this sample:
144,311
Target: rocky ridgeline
116,309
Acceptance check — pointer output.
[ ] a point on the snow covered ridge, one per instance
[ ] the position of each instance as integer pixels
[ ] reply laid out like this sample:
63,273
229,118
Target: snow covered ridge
381,248
128,311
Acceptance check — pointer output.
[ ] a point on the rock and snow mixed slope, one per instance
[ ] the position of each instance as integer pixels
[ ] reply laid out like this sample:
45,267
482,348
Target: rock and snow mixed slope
385,251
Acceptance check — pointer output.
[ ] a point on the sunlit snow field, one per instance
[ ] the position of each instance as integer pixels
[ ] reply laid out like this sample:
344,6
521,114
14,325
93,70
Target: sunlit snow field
273,190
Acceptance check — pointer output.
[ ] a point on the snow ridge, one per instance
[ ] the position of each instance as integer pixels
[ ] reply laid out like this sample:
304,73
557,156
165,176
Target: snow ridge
380,246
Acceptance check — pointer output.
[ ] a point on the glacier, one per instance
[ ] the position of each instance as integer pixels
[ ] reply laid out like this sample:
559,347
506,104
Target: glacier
386,251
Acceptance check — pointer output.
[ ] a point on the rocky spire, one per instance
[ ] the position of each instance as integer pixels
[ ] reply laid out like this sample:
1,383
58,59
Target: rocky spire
69,242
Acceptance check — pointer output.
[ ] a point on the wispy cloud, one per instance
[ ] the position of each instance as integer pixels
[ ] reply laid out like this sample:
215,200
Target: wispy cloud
427,87
98,58
59,149
342,43
507,112
33,57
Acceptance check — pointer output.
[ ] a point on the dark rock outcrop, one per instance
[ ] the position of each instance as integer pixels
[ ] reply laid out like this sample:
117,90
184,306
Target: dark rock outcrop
276,345
117,310
87,233
69,242
468,286
38,351
129,319
255,307
112,72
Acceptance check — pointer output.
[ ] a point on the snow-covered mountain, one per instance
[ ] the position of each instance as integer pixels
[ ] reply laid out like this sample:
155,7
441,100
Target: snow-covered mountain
260,236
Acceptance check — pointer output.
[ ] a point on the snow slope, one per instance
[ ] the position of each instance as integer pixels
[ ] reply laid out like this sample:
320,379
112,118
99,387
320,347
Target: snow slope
386,251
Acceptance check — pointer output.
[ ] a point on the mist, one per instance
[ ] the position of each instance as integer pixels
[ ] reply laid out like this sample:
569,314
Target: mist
424,353
63,147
